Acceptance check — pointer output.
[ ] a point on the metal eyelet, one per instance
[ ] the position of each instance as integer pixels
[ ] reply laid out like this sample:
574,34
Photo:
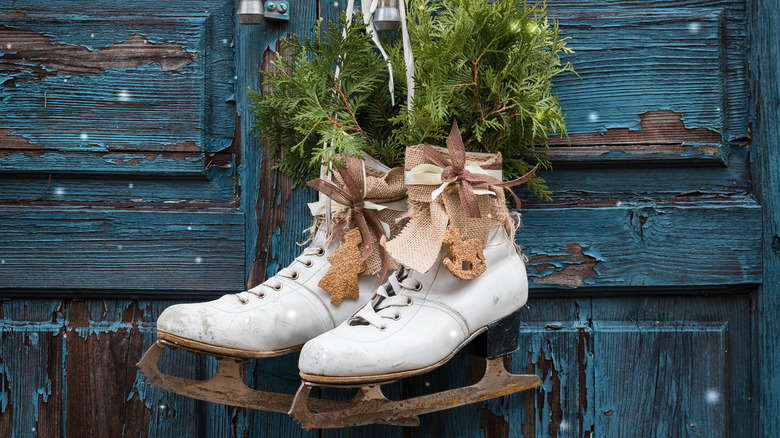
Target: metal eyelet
409,301
242,300
308,263
261,295
397,316
418,286
320,252
294,275
383,328
277,287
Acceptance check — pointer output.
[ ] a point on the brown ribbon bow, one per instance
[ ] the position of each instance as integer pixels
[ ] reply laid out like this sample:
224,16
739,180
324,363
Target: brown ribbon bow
367,221
455,170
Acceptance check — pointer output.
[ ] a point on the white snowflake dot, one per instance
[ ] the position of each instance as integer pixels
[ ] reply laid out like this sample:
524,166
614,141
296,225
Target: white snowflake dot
2,262
92,35
84,136
119,247
224,41
189,228
59,191
694,28
124,96
291,314
130,186
162,407
593,116
198,259
712,396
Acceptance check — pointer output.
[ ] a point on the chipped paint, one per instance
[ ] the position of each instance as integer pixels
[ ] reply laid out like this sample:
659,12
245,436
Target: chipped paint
34,57
572,268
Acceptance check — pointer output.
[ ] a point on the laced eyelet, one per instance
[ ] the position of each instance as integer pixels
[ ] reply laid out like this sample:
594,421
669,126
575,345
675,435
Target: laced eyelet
409,301
320,252
418,286
242,300
308,263
294,275
277,287
261,295
382,328
397,316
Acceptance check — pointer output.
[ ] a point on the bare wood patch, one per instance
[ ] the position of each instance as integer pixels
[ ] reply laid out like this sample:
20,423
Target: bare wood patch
9,140
657,127
270,214
33,57
571,268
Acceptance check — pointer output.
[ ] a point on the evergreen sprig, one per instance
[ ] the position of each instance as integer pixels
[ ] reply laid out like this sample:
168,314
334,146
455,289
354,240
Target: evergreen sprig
306,106
489,64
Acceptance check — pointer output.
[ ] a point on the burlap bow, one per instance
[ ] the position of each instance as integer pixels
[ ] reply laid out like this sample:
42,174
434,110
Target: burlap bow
475,207
353,199
455,170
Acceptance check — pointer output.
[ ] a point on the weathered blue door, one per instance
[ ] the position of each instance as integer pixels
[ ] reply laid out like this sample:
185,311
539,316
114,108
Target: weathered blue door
129,181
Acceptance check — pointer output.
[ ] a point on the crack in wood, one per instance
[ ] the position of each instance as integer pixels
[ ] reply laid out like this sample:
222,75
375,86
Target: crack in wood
33,57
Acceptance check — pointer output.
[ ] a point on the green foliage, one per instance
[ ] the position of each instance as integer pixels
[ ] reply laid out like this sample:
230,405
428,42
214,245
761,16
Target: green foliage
304,106
489,64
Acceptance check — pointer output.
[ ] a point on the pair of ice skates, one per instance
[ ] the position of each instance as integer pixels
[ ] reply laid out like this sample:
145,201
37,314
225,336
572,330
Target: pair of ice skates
448,293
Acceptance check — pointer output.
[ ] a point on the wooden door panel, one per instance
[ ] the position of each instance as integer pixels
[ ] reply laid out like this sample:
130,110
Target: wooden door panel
150,100
681,367
630,244
104,251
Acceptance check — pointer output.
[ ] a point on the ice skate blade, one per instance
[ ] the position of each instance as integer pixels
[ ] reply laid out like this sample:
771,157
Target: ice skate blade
370,406
226,386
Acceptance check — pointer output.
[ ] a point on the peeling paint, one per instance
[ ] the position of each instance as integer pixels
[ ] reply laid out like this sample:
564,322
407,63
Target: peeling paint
655,128
570,269
34,57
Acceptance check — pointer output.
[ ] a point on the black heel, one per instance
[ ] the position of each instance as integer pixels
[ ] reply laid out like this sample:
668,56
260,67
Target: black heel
501,337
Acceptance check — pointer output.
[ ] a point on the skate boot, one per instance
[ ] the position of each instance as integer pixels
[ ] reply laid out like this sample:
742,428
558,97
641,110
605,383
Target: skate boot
303,300
462,279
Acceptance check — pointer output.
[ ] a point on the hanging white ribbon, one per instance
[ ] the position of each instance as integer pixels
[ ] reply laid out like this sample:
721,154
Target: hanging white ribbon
430,175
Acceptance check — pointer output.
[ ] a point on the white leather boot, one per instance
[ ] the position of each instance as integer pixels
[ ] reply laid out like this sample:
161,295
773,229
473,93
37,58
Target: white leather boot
288,309
452,286
418,321
274,318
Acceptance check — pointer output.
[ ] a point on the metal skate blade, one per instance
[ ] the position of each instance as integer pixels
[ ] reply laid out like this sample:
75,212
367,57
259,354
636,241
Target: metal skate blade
370,406
226,386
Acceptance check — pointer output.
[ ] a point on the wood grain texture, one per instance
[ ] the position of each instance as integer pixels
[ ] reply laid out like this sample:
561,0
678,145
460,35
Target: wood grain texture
88,248
634,244
637,65
765,160
143,93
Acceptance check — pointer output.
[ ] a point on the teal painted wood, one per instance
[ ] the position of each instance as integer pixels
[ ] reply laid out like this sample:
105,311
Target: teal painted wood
765,93
217,190
162,85
113,250
635,244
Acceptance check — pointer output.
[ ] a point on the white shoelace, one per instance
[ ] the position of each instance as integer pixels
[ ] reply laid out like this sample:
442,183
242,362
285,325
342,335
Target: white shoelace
289,272
387,296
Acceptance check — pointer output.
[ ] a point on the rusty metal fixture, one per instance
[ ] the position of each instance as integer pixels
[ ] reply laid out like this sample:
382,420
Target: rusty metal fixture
250,11
370,406
387,17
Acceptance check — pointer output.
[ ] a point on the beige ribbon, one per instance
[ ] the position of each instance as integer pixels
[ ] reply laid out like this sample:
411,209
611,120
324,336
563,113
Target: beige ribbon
430,175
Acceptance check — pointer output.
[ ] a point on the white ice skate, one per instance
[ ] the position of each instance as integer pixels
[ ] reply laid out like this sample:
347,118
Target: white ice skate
281,314
467,290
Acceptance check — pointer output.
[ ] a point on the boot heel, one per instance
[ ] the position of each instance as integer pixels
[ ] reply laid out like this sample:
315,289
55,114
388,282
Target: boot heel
501,337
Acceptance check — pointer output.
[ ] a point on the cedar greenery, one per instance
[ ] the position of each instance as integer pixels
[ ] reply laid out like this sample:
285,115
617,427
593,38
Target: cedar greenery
488,64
